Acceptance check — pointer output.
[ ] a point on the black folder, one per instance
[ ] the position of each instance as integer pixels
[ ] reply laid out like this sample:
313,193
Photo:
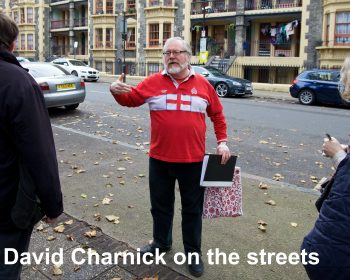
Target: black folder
215,174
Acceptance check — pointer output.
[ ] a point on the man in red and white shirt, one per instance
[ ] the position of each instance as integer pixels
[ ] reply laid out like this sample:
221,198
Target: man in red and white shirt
178,100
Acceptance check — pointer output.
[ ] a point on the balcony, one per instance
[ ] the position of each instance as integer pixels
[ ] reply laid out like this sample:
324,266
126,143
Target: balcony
57,24
267,49
270,4
157,3
197,7
80,22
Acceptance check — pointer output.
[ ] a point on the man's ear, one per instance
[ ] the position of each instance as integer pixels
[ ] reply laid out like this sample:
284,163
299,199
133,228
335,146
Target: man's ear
12,46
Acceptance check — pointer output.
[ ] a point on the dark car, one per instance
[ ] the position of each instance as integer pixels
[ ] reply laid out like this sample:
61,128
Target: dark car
317,86
223,84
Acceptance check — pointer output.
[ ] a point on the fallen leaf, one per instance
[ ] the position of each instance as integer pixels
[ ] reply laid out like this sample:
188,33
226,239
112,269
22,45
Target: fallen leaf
121,168
122,182
105,176
112,218
70,237
59,228
294,224
108,185
263,186
97,217
56,271
40,227
263,142
69,222
78,171
91,233
262,228
106,201
271,202
51,237
141,175
83,195
261,222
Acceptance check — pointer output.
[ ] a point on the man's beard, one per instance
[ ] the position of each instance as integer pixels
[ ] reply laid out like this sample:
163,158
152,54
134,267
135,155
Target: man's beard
176,68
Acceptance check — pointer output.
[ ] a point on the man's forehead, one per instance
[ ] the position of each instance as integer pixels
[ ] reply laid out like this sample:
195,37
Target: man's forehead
174,45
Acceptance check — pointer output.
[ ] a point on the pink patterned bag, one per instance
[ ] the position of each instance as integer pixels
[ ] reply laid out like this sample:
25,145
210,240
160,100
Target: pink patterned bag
224,201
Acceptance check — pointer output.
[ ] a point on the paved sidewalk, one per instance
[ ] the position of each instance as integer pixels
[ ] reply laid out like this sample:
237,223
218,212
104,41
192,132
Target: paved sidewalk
287,222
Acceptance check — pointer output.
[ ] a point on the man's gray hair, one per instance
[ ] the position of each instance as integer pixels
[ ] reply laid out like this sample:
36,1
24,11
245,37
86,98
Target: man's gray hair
185,45
9,31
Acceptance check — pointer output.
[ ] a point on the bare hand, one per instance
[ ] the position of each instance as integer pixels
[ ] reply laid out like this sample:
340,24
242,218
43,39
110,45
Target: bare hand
224,151
118,87
331,147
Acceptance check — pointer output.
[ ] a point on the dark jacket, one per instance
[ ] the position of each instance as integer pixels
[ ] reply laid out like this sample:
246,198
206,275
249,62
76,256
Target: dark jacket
330,237
25,132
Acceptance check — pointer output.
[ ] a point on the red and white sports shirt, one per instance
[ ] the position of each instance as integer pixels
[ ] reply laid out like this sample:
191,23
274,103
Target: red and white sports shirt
177,114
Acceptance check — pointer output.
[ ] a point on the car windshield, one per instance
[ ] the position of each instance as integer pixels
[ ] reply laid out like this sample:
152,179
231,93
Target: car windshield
45,70
215,71
77,63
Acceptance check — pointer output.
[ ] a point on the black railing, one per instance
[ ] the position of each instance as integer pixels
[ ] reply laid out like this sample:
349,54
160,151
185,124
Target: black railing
270,4
218,6
79,22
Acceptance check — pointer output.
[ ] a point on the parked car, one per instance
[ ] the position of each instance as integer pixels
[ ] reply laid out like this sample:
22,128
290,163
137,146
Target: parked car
317,86
60,88
78,68
21,59
223,84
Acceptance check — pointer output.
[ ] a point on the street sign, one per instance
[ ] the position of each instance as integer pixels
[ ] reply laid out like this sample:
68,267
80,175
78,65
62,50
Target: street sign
203,45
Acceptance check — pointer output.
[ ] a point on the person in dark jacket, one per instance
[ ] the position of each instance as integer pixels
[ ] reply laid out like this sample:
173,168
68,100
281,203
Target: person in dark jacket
26,134
330,237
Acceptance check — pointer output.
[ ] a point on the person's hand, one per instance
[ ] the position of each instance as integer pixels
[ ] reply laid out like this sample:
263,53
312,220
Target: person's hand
331,147
118,87
224,151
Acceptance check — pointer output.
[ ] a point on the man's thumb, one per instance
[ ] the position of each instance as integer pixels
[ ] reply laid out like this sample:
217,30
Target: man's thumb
120,79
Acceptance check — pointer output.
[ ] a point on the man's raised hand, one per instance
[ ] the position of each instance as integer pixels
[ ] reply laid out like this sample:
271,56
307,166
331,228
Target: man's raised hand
118,87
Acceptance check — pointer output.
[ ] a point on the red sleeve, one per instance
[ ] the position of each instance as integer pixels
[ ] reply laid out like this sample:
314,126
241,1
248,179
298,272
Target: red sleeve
131,99
216,114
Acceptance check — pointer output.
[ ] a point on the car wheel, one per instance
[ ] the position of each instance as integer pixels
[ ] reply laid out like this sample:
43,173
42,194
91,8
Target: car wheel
75,73
71,107
306,97
221,89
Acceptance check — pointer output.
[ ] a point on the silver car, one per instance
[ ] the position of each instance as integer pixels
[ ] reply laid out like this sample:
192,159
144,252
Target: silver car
59,87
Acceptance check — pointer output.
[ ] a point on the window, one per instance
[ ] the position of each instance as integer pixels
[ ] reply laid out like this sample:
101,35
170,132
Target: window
15,16
109,6
23,41
130,39
153,3
23,20
153,68
29,15
130,6
109,38
98,65
166,31
30,42
109,67
99,38
154,35
342,28
99,6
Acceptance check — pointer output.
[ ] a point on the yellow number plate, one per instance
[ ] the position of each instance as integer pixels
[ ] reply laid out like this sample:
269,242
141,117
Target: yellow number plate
65,86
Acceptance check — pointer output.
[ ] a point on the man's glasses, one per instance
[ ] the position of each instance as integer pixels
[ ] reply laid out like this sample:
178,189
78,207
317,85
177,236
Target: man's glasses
174,53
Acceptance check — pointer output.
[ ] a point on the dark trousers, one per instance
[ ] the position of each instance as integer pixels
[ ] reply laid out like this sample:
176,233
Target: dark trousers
18,240
162,177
